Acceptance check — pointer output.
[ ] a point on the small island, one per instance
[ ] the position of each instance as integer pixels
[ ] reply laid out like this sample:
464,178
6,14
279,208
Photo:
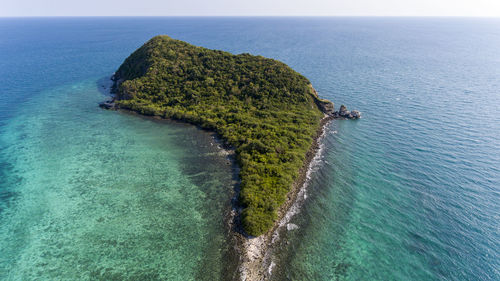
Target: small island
266,111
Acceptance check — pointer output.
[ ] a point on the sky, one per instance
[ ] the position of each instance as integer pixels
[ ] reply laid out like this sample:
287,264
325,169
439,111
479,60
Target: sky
474,8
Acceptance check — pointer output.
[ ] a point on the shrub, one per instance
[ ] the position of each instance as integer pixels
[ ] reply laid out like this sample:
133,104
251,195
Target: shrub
262,107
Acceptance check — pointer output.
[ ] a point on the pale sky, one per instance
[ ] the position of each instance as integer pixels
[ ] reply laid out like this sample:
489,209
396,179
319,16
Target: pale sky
488,8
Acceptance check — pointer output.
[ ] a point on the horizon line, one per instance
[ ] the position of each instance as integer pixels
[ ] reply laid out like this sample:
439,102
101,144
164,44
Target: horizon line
254,16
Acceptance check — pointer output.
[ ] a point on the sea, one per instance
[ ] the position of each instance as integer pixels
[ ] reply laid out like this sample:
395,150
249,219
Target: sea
411,191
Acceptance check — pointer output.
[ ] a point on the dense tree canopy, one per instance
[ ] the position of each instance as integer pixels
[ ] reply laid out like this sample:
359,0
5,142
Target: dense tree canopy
260,106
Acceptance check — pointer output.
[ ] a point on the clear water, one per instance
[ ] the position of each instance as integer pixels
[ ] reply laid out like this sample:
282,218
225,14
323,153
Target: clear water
409,192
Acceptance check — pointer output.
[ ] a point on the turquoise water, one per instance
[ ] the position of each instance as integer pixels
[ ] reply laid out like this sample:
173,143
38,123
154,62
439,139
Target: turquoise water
92,194
409,192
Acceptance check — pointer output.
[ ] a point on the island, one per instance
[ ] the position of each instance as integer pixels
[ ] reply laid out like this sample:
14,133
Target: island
267,112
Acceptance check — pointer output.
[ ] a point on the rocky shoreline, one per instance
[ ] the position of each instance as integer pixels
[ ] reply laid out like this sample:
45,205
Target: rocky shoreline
256,252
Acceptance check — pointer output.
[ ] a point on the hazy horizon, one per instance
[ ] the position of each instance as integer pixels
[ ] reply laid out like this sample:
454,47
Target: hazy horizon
256,8
243,16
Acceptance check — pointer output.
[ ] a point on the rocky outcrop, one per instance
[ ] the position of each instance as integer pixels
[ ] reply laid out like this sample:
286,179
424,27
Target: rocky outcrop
325,105
355,114
344,113
110,104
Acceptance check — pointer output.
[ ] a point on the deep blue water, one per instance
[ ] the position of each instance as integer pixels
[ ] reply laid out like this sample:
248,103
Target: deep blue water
409,192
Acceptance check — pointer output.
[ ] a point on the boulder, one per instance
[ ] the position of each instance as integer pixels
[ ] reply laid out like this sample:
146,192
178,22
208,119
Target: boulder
355,114
107,105
344,113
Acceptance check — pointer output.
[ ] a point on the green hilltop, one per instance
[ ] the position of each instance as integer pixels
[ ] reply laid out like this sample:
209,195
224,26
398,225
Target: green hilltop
264,109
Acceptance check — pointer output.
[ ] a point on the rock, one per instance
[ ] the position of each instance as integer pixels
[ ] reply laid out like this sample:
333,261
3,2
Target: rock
326,106
355,114
107,105
344,113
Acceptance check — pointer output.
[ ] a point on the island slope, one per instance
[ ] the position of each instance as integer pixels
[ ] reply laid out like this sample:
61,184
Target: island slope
264,109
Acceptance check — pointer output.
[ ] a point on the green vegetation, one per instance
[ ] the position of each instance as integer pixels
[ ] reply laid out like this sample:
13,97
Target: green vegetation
260,106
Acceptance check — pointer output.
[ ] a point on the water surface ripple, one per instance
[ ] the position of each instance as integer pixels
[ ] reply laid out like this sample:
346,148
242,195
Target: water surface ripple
409,192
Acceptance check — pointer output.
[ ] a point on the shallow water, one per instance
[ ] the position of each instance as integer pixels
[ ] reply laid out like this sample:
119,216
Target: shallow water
100,194
409,192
